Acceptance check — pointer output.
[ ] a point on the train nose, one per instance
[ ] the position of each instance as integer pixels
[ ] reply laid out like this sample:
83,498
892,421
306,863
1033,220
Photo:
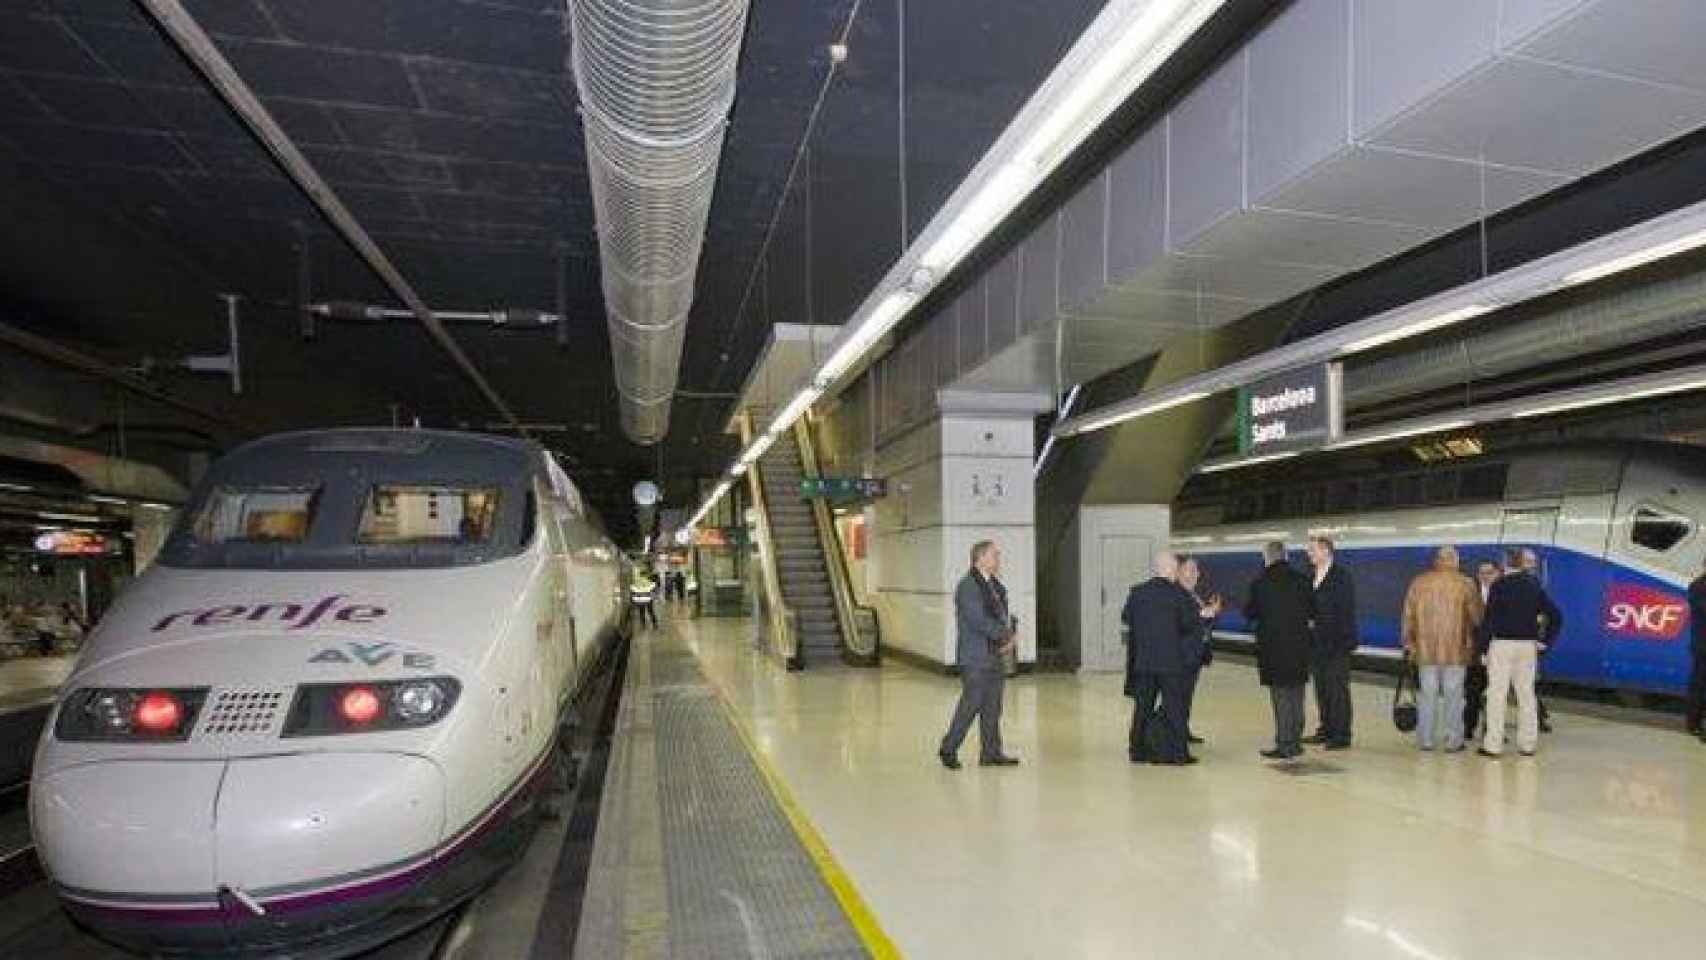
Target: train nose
129,826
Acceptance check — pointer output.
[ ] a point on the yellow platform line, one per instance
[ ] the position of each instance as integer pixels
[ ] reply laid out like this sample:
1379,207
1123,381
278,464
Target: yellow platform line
877,943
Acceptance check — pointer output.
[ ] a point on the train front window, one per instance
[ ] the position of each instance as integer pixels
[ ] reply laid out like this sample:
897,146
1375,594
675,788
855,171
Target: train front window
397,513
1659,530
256,515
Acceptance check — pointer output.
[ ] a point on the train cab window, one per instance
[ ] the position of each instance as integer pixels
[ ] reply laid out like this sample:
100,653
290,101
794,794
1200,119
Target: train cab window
257,515
397,513
1659,530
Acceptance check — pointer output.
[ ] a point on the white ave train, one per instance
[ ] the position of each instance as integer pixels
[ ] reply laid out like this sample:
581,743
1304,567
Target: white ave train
328,711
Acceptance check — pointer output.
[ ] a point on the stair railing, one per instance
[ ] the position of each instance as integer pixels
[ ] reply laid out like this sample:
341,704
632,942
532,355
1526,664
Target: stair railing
783,622
861,645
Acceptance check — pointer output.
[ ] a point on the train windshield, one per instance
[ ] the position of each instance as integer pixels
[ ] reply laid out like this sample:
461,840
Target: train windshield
256,515
398,513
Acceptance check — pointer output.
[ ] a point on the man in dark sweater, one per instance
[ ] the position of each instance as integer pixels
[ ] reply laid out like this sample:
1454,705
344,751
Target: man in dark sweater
1521,622
1162,618
1697,677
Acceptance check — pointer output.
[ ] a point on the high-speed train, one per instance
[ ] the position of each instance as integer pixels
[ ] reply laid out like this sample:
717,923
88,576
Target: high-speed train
1616,526
328,712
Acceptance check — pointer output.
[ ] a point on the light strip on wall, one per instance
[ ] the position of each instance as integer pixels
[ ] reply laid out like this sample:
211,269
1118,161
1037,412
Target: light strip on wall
1608,398
1639,258
1364,439
1157,406
1246,462
1418,328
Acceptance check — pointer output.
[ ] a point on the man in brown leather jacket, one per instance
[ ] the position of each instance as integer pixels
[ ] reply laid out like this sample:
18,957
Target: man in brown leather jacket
1441,611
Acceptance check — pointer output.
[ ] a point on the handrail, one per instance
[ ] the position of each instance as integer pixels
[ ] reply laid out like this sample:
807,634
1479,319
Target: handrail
840,581
782,620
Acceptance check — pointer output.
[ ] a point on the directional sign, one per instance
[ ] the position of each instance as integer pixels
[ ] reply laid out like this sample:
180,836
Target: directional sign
843,489
1295,410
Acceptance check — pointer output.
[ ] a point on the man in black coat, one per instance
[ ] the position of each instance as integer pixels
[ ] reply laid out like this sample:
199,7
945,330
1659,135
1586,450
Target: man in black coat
1281,605
1335,641
1162,620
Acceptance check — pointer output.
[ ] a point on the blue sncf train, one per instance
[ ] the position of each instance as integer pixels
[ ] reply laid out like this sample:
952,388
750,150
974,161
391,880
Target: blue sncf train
1616,526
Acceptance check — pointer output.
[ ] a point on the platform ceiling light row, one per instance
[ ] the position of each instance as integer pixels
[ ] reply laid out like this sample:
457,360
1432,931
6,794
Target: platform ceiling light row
1678,232
1643,387
1120,50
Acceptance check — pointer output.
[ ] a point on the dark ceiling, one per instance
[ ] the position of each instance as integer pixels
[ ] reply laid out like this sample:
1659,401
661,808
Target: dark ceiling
448,127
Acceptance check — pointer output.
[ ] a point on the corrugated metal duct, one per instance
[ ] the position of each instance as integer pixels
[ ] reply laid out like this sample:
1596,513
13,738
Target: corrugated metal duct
656,81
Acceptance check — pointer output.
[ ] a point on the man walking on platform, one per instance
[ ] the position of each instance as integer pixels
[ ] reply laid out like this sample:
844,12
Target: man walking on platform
1697,677
1335,641
984,631
1521,620
1281,605
1441,611
1164,650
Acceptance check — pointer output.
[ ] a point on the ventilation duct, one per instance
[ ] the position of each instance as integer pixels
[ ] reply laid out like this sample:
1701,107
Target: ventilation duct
656,80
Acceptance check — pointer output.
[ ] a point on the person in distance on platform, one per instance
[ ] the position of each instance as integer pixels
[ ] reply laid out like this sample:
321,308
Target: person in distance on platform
1190,577
1475,681
1165,625
1442,608
1335,641
985,635
1697,676
1521,621
1281,605
1531,566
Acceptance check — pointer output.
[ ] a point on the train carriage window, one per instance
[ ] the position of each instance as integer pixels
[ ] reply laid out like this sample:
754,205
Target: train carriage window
257,515
1273,504
1241,509
1342,496
1304,501
1407,491
1659,530
1486,482
1377,493
1442,486
397,513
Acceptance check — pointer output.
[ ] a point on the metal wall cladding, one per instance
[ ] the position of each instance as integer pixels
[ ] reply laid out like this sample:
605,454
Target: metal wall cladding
1345,132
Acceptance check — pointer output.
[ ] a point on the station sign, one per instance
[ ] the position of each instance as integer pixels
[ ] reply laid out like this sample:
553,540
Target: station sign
75,543
843,489
719,536
1297,410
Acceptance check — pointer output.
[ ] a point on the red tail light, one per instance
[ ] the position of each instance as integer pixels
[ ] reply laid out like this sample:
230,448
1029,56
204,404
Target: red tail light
359,705
159,712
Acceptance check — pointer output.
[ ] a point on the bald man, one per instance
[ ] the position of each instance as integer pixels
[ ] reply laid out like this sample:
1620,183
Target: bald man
1162,618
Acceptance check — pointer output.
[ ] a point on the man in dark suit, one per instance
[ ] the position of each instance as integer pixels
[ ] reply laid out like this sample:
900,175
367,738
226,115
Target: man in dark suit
1163,650
984,636
1335,641
1697,676
1281,605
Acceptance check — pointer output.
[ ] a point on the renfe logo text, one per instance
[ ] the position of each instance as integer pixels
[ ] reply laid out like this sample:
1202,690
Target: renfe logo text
1642,612
298,616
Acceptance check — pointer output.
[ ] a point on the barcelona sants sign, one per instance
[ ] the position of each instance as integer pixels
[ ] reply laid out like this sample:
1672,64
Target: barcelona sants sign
1296,410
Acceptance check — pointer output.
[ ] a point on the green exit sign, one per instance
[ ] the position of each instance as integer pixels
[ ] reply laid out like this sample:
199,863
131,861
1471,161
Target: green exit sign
843,489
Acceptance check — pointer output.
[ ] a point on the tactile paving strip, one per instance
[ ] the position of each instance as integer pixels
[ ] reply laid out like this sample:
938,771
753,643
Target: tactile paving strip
740,883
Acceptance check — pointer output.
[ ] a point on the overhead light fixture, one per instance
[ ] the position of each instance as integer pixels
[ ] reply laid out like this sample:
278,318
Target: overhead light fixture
800,404
1245,462
988,207
1629,261
1141,411
70,517
116,501
1363,440
867,331
1427,325
18,487
1602,399
738,470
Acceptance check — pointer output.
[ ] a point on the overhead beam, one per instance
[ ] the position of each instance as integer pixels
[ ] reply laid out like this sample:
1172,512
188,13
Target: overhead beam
191,40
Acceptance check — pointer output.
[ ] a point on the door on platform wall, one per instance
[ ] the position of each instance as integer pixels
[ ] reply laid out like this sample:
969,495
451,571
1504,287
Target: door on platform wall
1126,560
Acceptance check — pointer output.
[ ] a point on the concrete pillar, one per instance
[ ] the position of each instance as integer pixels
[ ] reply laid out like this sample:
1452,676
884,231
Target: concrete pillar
963,477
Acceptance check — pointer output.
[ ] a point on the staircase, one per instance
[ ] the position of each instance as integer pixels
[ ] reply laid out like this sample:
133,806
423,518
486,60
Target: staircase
799,555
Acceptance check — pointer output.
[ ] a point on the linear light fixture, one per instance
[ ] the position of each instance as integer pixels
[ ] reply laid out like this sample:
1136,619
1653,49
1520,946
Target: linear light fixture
19,487
800,404
1427,325
1638,258
1361,439
1120,50
1220,465
1665,235
1166,403
103,498
1603,399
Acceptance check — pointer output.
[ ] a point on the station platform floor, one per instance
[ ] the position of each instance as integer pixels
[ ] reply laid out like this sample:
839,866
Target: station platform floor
1596,847
25,681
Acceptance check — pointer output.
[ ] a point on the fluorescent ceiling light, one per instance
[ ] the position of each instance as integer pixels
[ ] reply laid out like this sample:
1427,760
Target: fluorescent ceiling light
756,450
1408,330
1638,258
988,207
1360,440
1143,411
1246,462
872,328
1608,397
71,517
21,488
738,470
801,402
101,498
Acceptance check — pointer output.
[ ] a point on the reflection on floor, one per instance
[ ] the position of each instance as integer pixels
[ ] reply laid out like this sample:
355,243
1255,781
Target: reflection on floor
1594,848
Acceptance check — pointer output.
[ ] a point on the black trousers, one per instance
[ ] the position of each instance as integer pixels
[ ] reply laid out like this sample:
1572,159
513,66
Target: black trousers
980,699
1697,692
1332,675
647,612
1173,690
1190,692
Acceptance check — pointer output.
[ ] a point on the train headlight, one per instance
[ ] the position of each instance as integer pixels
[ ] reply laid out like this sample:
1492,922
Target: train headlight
419,702
123,714
323,709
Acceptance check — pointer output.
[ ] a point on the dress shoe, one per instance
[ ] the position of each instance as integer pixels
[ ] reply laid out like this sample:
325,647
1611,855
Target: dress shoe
1193,738
1278,754
1490,755
1315,739
1183,761
1338,745
1526,753
1139,757
998,761
1457,749
1545,726
949,760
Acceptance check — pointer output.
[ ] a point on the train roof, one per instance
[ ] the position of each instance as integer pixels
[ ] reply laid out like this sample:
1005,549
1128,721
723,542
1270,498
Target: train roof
451,454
